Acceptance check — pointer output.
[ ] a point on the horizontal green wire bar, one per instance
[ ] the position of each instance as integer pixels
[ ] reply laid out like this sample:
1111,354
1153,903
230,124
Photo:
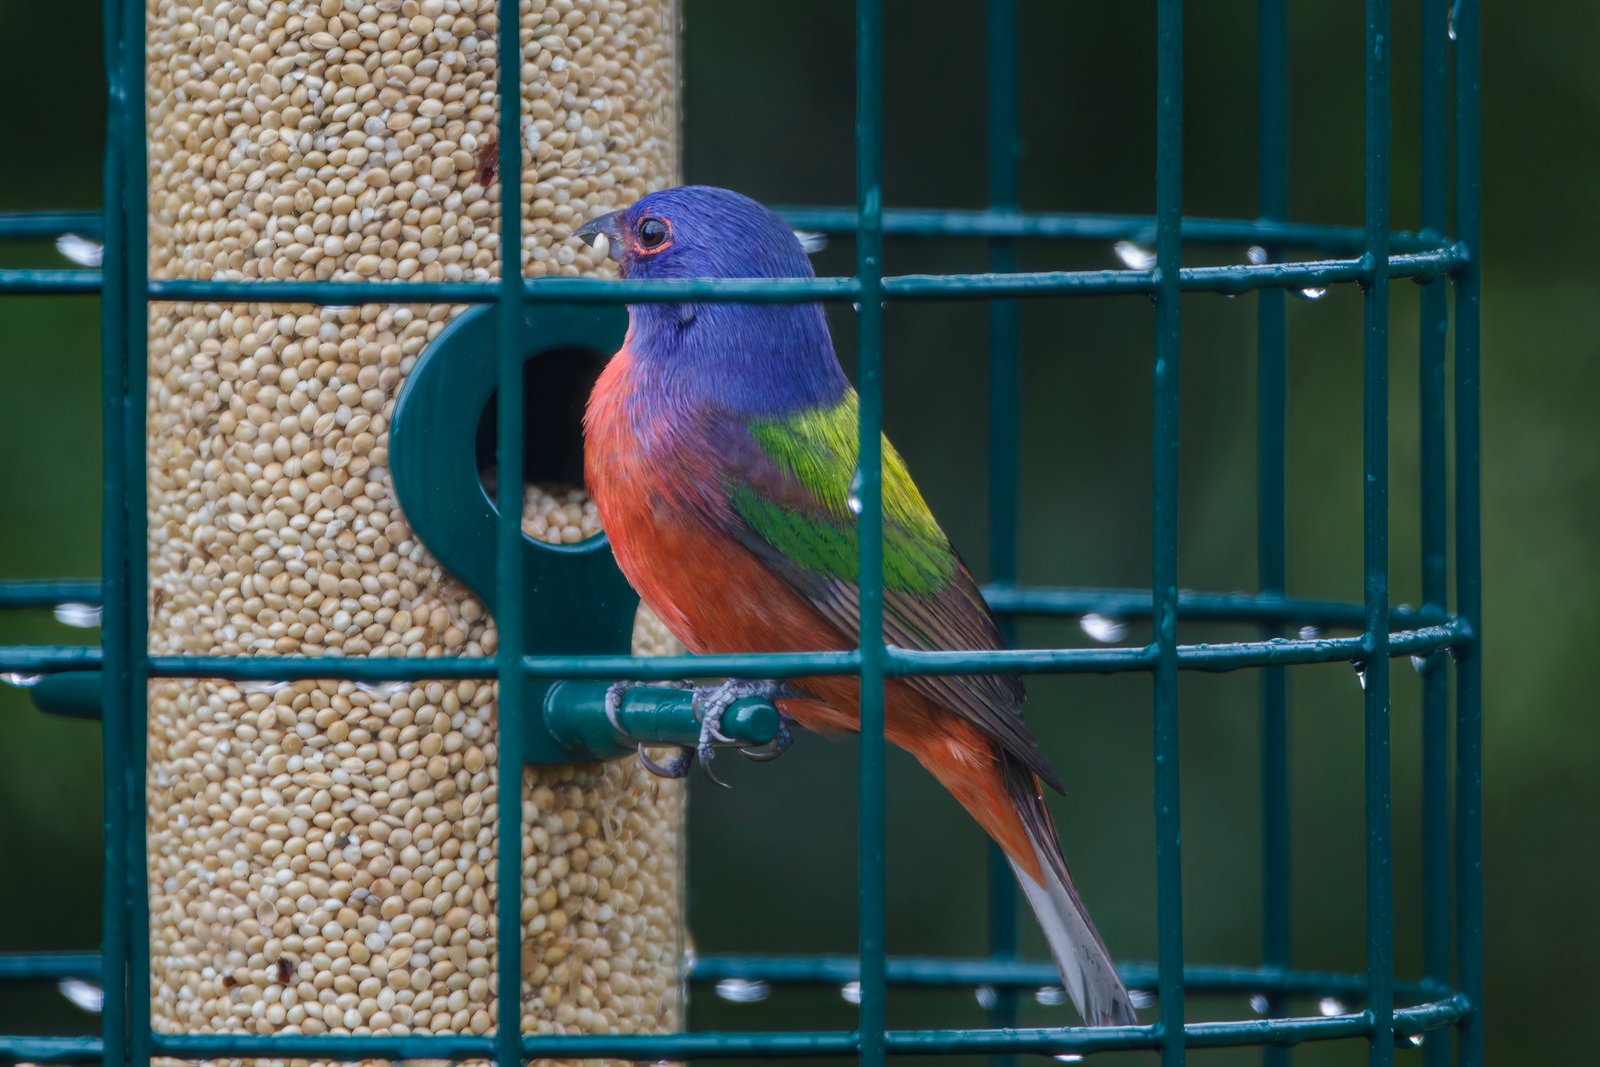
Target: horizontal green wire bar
1068,226
901,662
48,659
1431,1016
326,293
719,1045
1418,642
39,225
49,592
573,1046
926,222
50,966
1205,657
50,1049
1125,604
777,665
326,1046
1231,279
1285,1031
1005,599
294,668
929,972
540,290
917,972
28,282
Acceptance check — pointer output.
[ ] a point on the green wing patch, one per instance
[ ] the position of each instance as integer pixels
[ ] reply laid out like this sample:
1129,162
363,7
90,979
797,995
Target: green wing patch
818,449
795,515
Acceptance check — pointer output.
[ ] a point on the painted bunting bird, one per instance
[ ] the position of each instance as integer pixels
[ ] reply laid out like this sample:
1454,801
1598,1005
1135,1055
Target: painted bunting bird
720,445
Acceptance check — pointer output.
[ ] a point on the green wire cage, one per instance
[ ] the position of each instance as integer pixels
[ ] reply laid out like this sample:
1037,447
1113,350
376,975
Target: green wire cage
1443,635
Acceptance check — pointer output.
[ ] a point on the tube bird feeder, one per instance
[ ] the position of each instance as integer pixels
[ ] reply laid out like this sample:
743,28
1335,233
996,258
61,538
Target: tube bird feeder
322,853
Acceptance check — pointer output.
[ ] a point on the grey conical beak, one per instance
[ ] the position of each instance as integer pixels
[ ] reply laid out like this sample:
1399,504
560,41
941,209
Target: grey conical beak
609,227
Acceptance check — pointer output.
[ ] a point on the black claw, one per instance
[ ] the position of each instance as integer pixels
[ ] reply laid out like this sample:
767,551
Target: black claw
705,767
677,767
710,714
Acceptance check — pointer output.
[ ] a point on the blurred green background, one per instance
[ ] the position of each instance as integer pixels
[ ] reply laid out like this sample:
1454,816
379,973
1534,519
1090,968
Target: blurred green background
769,99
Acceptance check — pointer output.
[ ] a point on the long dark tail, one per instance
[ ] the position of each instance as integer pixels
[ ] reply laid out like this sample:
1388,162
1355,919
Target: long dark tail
1081,957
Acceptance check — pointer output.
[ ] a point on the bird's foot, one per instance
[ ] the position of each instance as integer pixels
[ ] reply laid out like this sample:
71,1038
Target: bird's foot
712,702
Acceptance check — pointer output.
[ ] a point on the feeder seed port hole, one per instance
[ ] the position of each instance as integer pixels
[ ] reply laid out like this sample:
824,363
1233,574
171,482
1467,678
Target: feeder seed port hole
555,389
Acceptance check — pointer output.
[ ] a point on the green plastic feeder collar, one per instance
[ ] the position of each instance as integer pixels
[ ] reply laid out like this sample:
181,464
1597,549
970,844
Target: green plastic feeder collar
575,600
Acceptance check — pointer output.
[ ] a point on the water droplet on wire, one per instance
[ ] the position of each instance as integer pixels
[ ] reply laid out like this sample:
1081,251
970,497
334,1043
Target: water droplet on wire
1050,995
1069,1057
1450,22
1311,292
1413,1040
1331,1006
1360,666
20,680
85,616
851,992
1259,1003
1310,633
1135,257
1103,629
81,250
1141,998
1419,664
810,241
986,996
85,995
743,991
1255,255
853,501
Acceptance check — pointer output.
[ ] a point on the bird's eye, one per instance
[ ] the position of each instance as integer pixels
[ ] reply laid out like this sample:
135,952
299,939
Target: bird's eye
653,233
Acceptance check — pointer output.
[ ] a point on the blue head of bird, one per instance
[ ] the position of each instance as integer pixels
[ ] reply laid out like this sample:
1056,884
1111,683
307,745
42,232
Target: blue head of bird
750,358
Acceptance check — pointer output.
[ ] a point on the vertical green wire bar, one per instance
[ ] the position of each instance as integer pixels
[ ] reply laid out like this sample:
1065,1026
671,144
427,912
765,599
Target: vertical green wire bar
1434,325
116,769
136,618
1375,512
508,536
1164,523
1005,447
872,916
1469,578
1272,169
